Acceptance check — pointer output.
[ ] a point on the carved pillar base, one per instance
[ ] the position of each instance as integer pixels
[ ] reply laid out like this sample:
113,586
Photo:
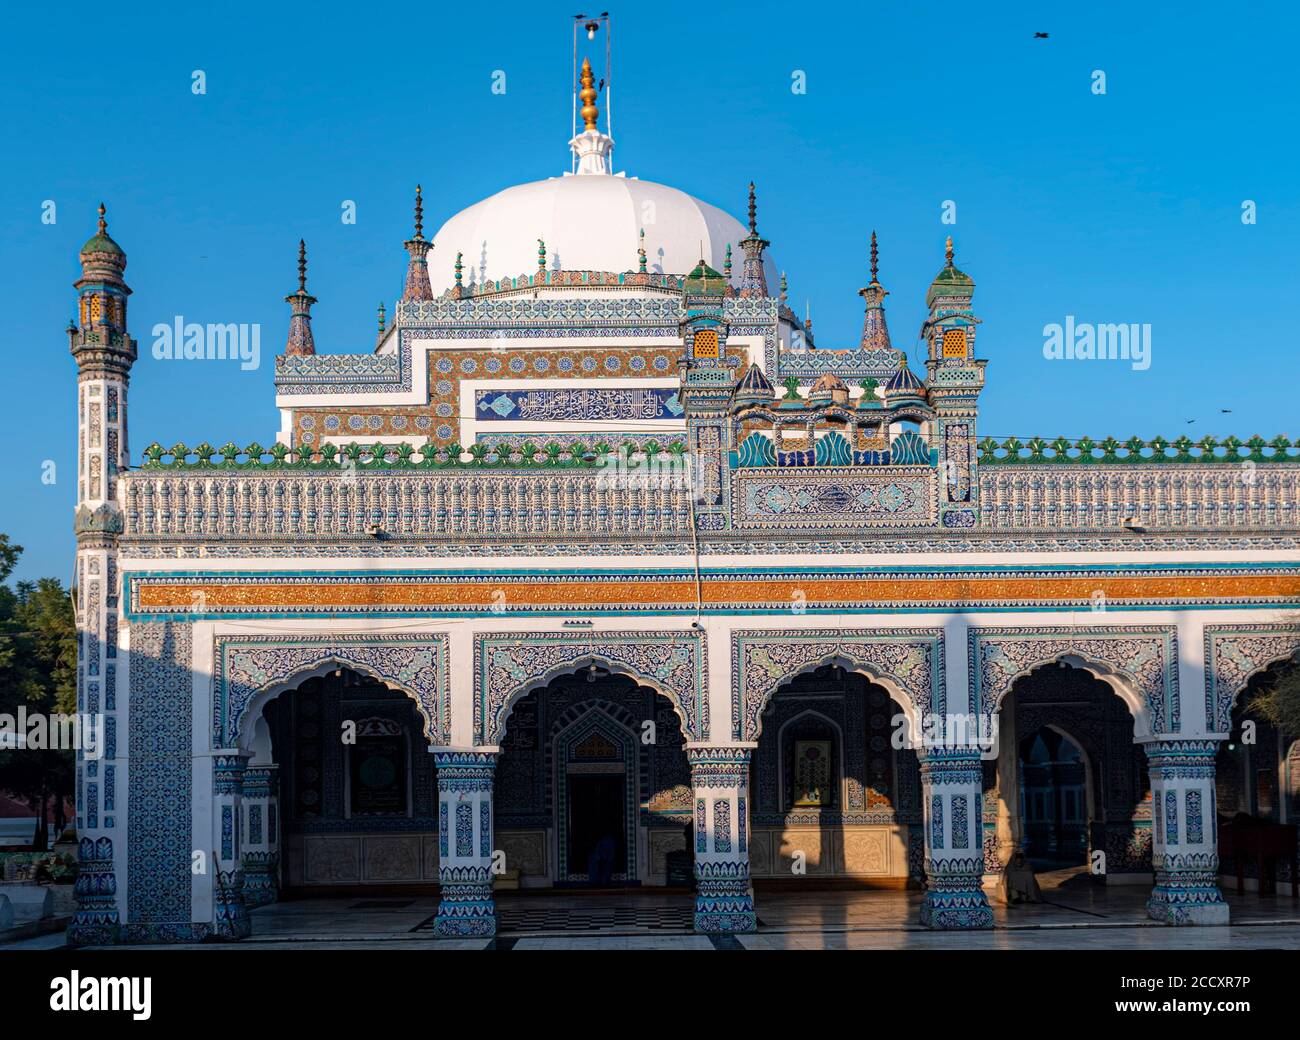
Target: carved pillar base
95,922
1184,828
465,906
952,782
261,878
724,897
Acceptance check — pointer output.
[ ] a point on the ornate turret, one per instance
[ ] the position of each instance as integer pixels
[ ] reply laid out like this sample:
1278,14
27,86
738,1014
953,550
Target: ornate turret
104,352
829,389
956,378
903,383
707,382
417,268
300,339
753,282
103,292
753,388
949,330
950,281
379,336
875,332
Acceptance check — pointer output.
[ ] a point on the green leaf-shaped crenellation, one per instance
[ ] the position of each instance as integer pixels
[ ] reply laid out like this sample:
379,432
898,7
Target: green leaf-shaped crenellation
355,456
1012,451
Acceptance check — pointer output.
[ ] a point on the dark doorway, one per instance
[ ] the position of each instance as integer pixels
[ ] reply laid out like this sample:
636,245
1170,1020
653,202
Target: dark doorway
597,827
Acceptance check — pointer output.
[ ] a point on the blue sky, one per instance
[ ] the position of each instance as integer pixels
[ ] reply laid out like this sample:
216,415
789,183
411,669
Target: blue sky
1124,207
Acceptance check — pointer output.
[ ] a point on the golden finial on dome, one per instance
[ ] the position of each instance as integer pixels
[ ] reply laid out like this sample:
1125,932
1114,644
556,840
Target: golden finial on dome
590,112
948,251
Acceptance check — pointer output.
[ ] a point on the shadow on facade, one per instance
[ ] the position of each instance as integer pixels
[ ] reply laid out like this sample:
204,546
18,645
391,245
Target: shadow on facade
593,789
1069,782
358,789
835,805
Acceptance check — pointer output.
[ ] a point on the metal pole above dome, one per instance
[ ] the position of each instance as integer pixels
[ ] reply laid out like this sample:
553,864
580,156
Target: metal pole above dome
586,156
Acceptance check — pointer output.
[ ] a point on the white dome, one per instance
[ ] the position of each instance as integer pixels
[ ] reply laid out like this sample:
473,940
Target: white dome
589,222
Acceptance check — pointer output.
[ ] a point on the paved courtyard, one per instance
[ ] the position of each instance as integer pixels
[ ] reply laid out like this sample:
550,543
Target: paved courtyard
1072,915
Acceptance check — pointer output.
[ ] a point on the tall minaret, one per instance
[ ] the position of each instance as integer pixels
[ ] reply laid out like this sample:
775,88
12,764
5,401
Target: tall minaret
104,353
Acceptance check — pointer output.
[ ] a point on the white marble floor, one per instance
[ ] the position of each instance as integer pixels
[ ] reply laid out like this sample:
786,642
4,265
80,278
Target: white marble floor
1073,915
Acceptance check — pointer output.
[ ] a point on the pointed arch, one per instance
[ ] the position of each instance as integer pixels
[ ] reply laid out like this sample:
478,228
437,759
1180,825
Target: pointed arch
508,666
908,663
1234,654
1139,664
841,773
249,671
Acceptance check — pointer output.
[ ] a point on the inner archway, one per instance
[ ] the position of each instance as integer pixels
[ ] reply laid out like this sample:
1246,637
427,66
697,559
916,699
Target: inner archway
1257,790
833,799
592,788
1069,787
1055,802
357,788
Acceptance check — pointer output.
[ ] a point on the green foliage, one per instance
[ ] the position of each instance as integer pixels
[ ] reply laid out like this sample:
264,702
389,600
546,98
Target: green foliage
1280,702
8,556
38,670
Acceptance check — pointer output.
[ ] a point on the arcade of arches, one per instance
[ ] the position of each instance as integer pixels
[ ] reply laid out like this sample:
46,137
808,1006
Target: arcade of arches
594,786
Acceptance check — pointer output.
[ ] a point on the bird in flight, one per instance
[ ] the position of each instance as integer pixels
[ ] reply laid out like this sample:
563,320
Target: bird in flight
1040,36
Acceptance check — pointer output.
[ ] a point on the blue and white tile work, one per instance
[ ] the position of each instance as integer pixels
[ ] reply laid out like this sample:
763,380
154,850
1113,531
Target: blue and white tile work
716,603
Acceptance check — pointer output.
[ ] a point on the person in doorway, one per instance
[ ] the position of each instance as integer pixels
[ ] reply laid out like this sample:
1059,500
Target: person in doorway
601,867
1018,882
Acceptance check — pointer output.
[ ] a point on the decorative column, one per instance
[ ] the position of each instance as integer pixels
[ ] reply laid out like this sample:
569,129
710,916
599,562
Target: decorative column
952,786
262,838
724,897
1184,830
465,907
230,914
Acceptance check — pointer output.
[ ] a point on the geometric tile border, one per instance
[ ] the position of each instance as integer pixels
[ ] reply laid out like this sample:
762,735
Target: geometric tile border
911,659
508,665
247,665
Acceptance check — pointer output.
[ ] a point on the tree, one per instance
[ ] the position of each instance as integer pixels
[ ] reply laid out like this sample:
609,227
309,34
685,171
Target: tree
38,669
1277,699
1279,702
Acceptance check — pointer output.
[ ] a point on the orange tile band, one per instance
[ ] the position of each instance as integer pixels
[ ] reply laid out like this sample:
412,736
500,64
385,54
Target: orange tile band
203,596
